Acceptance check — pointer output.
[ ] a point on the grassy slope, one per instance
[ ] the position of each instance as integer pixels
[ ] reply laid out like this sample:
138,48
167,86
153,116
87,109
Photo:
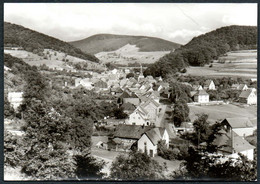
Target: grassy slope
237,64
109,42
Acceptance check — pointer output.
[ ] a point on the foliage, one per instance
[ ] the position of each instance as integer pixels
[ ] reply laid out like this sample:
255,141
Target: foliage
33,41
136,166
13,149
119,113
203,166
8,109
129,75
180,113
166,153
205,48
87,167
108,42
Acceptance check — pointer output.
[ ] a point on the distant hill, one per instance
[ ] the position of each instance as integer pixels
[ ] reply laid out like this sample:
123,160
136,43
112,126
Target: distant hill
109,42
32,41
205,48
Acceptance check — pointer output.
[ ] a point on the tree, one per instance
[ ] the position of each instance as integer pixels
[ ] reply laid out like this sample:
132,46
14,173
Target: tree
46,134
87,167
203,166
8,109
129,75
136,166
119,113
180,113
201,127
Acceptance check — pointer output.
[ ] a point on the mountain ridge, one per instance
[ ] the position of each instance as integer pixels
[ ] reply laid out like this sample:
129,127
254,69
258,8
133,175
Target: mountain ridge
33,41
110,42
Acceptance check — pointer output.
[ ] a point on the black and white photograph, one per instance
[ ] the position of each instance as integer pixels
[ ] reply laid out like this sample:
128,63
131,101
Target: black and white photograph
130,91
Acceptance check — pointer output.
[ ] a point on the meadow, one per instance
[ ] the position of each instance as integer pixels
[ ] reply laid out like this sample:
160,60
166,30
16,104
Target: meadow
220,112
234,64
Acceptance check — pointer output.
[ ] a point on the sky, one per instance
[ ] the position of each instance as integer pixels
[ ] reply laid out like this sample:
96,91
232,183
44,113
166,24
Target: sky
170,21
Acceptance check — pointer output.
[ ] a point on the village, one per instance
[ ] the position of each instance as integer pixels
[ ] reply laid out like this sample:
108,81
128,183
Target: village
148,114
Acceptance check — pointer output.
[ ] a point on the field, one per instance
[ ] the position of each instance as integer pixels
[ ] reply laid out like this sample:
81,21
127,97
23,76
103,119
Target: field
220,112
130,54
54,59
235,64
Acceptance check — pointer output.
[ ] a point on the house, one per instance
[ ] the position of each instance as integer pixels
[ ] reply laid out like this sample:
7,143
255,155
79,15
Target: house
209,85
197,87
86,83
139,117
201,96
235,86
242,87
155,95
149,141
128,96
241,126
128,108
125,137
248,96
230,144
116,91
153,108
15,99
101,84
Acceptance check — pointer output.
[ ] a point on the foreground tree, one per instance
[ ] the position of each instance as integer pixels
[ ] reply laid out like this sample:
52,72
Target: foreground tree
137,166
203,166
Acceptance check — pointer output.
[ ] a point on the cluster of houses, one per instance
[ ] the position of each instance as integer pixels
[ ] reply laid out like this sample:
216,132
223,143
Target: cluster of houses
199,93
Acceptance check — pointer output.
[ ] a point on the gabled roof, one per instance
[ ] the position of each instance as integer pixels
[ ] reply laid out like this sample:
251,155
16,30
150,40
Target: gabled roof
155,134
239,122
201,92
241,86
117,90
192,93
150,100
224,143
245,94
128,106
207,82
130,131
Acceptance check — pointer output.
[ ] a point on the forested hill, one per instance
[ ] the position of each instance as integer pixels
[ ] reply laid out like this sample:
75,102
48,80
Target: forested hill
32,41
205,48
109,42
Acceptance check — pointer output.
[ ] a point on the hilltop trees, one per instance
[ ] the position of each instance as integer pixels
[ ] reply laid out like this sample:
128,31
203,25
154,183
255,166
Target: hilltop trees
33,41
203,49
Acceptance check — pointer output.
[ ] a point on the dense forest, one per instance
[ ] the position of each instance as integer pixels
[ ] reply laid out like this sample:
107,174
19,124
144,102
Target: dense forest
32,41
109,42
205,48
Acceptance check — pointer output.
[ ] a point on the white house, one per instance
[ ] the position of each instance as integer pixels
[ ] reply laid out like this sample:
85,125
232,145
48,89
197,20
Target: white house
139,117
15,99
201,96
248,96
86,83
209,85
149,141
230,144
241,126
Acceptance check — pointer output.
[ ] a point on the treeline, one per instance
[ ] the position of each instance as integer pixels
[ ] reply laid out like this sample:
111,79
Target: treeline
32,41
206,48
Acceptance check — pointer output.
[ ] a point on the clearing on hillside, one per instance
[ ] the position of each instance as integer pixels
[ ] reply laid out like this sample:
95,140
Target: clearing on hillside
234,64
